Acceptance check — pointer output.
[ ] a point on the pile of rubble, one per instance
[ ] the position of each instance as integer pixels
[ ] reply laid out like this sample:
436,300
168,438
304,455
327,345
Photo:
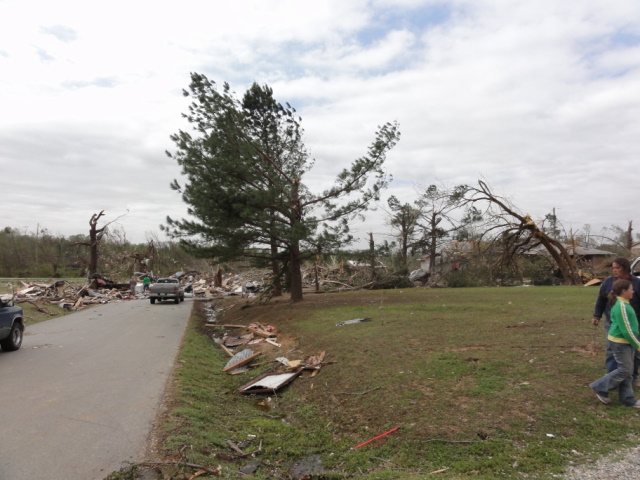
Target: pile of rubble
99,289
253,341
69,296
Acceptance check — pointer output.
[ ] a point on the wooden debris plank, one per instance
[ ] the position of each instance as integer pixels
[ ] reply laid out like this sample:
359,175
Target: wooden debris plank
241,362
227,351
262,333
320,360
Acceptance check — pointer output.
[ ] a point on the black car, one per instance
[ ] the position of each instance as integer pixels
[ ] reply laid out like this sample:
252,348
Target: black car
11,325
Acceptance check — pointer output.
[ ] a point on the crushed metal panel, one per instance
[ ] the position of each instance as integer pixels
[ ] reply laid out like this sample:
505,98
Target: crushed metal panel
240,359
355,320
269,382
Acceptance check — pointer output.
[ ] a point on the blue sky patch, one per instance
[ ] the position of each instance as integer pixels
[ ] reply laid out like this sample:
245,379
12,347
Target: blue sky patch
415,20
625,39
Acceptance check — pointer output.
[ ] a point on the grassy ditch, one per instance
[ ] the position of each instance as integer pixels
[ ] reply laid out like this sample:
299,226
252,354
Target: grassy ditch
482,383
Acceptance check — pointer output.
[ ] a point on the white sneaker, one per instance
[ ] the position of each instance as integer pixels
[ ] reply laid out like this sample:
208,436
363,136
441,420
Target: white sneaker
606,400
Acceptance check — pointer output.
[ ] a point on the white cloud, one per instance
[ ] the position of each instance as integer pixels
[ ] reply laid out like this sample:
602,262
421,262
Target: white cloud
540,98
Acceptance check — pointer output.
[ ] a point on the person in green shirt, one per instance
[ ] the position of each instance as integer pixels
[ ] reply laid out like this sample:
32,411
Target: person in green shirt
623,341
146,281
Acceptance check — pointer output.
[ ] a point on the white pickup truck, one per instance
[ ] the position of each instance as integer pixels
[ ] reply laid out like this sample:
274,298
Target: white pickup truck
166,289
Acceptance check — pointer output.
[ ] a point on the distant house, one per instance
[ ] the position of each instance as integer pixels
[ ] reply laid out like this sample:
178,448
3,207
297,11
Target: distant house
635,250
453,254
593,257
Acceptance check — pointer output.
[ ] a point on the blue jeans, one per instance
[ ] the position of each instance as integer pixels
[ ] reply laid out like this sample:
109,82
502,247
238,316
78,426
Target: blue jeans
611,365
620,378
610,362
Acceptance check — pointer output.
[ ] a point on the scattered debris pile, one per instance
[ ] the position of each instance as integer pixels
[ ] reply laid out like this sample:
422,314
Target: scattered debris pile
249,284
258,340
72,297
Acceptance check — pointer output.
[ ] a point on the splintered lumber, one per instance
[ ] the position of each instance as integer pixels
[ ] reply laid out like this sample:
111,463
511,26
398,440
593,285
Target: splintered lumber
262,333
240,359
38,307
317,362
226,350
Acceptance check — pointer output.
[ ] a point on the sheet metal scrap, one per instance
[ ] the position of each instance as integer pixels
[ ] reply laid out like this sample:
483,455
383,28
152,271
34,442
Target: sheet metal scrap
269,382
240,359
355,320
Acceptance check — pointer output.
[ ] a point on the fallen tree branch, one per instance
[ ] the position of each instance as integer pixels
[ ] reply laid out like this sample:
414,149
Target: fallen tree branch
339,283
442,470
38,307
357,393
449,441
214,471
235,448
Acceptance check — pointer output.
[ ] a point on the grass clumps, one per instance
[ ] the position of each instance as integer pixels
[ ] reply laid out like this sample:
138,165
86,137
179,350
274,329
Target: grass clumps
483,383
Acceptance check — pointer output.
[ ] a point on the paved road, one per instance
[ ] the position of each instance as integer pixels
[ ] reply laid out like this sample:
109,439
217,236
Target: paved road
79,398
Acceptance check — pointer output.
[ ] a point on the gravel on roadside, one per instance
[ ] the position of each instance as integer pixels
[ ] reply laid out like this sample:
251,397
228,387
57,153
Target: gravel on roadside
620,465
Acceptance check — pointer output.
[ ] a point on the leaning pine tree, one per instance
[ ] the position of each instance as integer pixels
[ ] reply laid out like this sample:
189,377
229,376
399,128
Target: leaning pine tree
244,165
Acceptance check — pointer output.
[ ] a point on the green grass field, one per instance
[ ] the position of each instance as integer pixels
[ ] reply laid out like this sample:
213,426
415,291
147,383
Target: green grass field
482,383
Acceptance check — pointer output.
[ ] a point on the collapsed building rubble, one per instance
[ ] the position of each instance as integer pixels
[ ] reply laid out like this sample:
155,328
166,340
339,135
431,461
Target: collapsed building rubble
250,284
71,296
99,289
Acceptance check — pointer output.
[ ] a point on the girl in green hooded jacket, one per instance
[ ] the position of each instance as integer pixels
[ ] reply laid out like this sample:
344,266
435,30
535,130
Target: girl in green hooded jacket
623,341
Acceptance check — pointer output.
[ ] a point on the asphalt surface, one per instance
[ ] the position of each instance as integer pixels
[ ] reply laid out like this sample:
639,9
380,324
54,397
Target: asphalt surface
79,399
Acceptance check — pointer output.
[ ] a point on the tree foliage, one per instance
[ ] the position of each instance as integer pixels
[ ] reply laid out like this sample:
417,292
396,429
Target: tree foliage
438,204
244,164
41,254
404,219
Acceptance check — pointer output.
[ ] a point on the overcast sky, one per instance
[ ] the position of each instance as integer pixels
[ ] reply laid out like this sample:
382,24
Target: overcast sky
540,98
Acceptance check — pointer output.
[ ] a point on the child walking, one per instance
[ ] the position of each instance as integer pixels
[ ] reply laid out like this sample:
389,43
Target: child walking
623,340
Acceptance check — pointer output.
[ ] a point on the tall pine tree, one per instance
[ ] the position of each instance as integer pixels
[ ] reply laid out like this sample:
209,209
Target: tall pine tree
244,164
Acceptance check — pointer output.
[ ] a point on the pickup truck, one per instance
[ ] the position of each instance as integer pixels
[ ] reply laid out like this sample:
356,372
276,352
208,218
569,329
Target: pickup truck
166,289
11,325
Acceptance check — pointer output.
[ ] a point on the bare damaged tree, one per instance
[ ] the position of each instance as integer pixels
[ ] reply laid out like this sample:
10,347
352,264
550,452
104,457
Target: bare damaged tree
617,238
95,236
143,261
372,257
404,220
629,236
517,233
436,204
